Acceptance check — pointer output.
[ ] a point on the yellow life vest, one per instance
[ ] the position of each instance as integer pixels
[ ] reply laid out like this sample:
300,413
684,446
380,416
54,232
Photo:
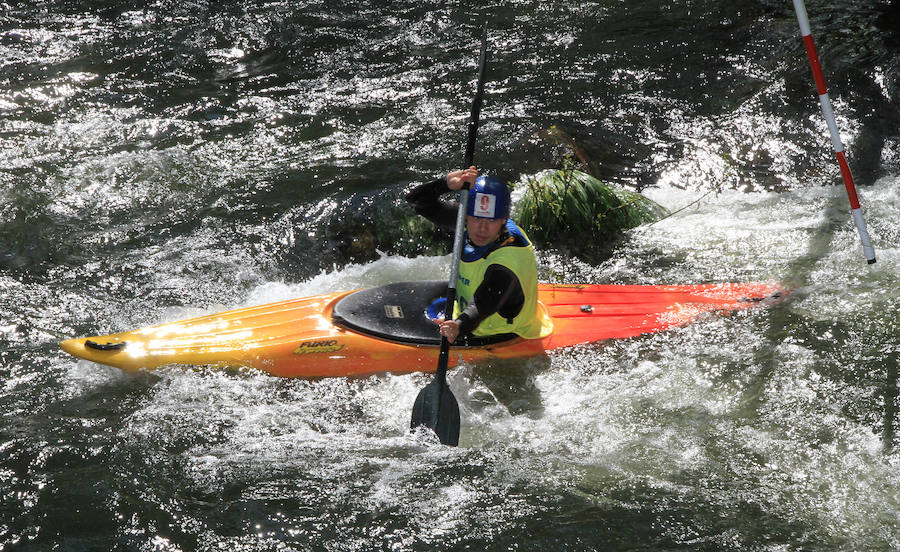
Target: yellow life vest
517,255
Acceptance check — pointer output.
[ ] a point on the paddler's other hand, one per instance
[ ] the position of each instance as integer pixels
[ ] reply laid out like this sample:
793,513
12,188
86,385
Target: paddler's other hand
456,179
448,328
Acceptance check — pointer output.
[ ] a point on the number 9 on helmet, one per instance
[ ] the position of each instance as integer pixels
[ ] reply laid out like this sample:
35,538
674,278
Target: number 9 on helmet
489,198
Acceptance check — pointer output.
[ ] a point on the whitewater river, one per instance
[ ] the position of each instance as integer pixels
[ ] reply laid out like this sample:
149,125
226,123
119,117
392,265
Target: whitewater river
162,159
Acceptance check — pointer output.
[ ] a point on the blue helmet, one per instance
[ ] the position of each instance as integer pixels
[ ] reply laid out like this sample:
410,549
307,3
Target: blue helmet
489,198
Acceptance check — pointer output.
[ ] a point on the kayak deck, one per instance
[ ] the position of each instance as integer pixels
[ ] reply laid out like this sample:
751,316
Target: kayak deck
302,337
397,312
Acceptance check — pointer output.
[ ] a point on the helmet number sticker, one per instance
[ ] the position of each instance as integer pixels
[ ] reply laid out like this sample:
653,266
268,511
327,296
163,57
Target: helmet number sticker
485,205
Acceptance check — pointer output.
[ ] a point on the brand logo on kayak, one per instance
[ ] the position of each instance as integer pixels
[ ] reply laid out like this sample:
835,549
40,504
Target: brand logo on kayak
393,311
325,346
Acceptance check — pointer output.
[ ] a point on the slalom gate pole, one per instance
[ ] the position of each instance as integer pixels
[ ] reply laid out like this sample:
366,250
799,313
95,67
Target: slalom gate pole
828,112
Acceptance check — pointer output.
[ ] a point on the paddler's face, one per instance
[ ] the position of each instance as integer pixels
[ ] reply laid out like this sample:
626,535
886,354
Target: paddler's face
483,231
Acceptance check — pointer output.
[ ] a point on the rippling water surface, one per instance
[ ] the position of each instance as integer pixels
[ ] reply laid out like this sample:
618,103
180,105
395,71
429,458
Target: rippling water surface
160,160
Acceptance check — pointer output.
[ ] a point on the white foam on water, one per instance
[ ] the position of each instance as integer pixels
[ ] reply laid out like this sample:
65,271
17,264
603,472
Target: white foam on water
385,270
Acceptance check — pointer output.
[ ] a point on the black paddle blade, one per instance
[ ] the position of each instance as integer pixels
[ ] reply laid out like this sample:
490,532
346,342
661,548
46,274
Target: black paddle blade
436,407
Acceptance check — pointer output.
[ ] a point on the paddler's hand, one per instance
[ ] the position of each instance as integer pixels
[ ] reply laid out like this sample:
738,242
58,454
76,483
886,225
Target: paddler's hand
456,179
448,328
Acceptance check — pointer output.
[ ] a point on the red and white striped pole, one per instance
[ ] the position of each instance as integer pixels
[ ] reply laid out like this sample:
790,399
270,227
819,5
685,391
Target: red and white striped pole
828,112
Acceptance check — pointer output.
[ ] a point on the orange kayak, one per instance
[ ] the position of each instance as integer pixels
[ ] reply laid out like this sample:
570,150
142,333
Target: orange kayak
385,329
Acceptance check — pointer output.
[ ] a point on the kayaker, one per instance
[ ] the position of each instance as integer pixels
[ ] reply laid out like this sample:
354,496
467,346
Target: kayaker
497,287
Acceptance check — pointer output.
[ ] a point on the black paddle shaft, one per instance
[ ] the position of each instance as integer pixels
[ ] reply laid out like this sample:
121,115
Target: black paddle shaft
436,407
475,115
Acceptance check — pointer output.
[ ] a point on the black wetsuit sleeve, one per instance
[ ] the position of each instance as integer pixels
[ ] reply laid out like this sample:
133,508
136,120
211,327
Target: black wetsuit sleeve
426,200
500,292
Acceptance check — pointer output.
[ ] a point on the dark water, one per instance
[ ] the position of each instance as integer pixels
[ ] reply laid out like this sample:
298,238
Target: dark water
164,159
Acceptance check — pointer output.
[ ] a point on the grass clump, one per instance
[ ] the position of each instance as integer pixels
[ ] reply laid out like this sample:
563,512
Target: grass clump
568,206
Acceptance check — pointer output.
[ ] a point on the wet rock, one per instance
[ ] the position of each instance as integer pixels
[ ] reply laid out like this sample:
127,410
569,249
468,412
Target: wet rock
566,208
607,155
